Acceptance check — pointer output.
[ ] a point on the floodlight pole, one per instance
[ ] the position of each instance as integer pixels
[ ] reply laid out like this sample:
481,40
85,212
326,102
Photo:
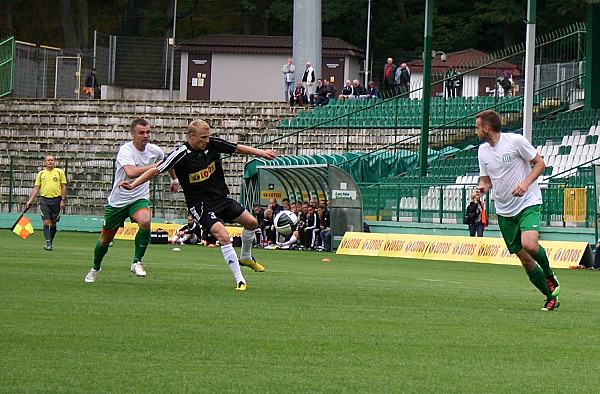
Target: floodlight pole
426,97
529,71
172,44
367,71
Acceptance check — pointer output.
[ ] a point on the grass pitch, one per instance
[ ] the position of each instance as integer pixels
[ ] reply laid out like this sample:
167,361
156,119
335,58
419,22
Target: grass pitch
352,325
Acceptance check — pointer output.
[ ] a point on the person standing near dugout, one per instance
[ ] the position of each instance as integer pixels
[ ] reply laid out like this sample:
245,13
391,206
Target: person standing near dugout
133,158
505,161
53,185
197,164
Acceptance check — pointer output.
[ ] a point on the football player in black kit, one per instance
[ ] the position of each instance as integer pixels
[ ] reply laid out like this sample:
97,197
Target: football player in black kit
197,164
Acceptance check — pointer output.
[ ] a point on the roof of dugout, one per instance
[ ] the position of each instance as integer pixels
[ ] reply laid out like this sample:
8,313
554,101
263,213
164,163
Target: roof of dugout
302,182
362,167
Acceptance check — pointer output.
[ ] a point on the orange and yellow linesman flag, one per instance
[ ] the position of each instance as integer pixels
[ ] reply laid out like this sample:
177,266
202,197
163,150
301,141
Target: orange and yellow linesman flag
23,227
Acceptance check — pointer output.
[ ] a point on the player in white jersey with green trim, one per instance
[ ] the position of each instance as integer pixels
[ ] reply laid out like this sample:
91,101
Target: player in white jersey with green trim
505,161
133,159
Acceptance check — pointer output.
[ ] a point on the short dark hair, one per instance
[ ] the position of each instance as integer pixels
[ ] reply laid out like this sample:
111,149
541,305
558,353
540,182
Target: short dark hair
138,122
491,119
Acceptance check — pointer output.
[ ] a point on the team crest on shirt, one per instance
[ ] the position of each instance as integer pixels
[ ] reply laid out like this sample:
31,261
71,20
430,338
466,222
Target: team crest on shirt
204,174
507,158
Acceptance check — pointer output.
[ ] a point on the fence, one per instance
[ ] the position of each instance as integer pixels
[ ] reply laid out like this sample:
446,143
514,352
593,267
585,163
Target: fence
7,56
135,62
129,62
88,182
433,203
398,119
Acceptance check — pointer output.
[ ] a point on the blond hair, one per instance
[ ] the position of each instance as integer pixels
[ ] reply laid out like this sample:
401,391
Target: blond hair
197,125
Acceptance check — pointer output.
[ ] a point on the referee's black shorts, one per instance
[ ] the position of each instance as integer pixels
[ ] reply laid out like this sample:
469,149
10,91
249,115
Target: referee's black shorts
50,208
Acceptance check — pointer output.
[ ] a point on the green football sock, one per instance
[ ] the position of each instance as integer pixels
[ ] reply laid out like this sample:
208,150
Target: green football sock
142,239
99,253
542,259
538,279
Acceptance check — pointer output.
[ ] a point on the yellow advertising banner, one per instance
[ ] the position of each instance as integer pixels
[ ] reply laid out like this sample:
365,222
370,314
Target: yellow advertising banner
452,248
130,230
564,254
405,245
362,244
469,249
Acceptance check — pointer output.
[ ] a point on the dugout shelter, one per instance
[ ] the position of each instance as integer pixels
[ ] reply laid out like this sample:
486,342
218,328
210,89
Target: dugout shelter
301,178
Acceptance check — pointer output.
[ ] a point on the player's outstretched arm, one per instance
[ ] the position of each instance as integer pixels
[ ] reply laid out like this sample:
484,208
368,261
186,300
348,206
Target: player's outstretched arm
145,177
248,150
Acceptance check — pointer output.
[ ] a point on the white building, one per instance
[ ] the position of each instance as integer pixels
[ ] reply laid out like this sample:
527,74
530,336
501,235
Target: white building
246,68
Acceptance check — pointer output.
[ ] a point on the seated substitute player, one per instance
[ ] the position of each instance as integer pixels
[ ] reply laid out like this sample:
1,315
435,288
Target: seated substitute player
190,233
505,162
197,164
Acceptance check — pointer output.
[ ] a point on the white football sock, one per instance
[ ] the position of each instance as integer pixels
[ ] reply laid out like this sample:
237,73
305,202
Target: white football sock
247,239
232,261
290,241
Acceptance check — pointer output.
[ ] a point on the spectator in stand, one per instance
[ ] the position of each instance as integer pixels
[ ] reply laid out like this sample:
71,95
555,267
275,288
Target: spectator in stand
403,79
288,78
451,83
190,233
359,90
389,75
327,93
506,83
308,79
373,91
312,223
476,216
92,86
319,88
286,204
299,96
347,91
458,84
324,228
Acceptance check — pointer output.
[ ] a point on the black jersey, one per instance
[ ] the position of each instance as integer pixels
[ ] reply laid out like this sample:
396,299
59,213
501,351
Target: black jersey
200,172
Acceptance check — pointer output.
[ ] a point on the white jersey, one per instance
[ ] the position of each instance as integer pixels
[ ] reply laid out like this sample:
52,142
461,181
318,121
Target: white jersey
508,164
129,156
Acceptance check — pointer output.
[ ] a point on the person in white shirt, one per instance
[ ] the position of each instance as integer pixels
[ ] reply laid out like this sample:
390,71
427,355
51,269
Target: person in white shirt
289,78
308,79
133,159
505,161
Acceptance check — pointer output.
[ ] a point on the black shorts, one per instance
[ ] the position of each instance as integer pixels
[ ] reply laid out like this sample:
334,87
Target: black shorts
50,208
208,213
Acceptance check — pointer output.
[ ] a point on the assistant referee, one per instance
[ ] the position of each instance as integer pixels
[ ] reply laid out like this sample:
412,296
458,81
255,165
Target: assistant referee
53,184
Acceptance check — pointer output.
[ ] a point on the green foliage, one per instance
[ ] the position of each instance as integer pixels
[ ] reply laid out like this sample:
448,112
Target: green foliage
396,28
352,325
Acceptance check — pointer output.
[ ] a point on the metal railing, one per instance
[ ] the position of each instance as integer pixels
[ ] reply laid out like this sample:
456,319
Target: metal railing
7,65
402,125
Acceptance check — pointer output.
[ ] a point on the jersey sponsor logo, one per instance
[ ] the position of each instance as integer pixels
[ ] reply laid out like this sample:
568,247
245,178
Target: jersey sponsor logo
204,174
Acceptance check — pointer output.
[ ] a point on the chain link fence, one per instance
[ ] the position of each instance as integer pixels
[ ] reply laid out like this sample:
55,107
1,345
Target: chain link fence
127,62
